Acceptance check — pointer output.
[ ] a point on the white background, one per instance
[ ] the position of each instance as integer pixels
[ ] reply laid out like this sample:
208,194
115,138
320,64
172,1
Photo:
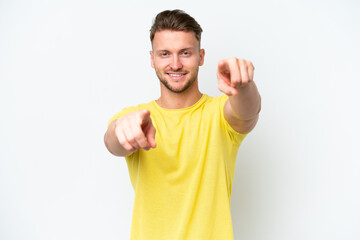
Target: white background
67,66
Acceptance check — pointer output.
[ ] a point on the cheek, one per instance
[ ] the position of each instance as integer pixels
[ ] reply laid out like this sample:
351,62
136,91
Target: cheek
161,63
192,63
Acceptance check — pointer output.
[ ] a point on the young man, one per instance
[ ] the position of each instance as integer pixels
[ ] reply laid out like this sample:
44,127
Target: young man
181,148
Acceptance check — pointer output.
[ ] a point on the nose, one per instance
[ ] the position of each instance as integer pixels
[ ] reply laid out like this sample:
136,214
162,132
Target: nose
175,63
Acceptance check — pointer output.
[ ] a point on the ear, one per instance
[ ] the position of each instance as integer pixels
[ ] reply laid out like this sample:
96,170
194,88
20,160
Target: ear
202,56
152,59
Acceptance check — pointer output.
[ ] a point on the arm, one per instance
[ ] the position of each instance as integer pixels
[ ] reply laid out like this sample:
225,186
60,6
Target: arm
129,133
235,78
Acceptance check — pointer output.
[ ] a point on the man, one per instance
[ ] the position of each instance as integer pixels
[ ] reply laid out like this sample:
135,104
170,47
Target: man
181,148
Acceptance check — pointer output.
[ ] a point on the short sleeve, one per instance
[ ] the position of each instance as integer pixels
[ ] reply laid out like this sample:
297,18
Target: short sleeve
235,136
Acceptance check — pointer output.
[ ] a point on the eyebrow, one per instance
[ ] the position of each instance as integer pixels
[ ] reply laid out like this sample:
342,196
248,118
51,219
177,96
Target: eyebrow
181,50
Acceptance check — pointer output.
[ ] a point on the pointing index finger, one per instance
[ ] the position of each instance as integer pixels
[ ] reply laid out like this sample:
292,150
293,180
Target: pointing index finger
223,67
145,113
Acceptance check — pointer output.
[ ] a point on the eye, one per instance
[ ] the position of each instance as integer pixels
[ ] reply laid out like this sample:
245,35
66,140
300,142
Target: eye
164,54
186,53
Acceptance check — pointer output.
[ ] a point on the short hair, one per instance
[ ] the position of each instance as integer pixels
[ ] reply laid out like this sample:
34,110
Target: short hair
176,20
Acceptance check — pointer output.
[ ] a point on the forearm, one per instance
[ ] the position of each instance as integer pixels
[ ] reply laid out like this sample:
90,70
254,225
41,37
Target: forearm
246,104
112,142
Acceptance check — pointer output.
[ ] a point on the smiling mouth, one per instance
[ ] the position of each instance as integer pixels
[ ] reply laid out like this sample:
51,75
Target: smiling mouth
176,74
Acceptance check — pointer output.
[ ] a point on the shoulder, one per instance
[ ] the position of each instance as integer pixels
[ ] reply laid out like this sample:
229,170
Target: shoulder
216,103
216,100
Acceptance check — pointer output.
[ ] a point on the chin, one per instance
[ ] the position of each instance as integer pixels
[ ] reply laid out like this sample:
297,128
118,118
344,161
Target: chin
179,89
174,85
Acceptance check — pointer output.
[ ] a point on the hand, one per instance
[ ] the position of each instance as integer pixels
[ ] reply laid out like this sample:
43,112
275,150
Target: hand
233,73
135,130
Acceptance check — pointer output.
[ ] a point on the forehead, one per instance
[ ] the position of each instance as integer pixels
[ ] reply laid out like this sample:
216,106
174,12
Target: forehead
173,40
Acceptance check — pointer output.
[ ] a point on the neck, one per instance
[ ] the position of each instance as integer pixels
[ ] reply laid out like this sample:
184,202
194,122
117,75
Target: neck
171,100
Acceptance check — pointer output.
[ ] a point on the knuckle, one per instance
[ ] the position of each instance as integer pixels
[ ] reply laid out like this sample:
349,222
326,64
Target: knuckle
138,135
233,60
132,140
118,130
129,148
145,145
236,81
141,141
133,117
122,142
118,124
250,64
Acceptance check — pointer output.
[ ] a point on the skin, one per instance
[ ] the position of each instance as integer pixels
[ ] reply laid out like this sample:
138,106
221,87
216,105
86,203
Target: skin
176,57
177,52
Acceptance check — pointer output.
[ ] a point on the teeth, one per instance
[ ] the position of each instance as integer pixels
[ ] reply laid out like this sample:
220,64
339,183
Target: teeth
175,75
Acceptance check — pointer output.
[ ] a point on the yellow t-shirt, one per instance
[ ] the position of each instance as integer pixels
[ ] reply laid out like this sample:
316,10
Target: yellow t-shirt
183,186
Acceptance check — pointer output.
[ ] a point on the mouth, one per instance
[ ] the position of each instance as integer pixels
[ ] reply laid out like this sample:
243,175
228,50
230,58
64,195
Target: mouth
176,76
